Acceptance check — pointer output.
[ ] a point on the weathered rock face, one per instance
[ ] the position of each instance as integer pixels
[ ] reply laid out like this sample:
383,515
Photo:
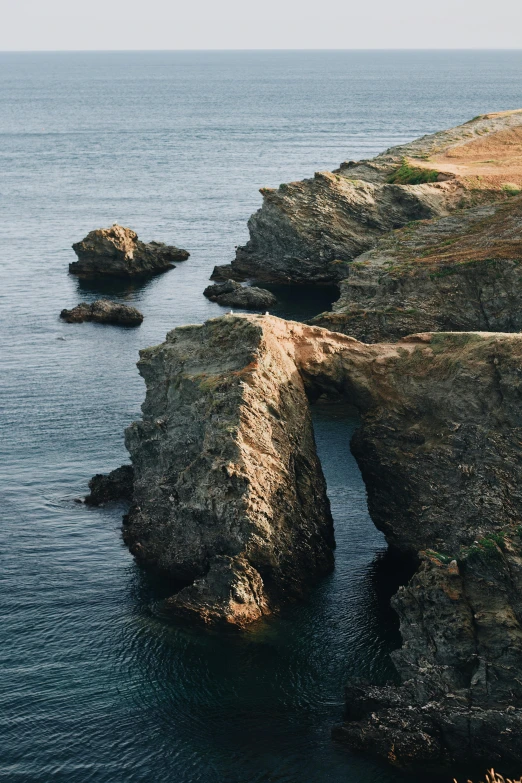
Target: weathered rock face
103,311
233,294
117,252
457,273
309,231
229,497
229,500
460,663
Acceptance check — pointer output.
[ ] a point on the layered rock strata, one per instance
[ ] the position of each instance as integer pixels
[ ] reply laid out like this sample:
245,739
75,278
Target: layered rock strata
456,273
230,501
117,252
233,294
103,311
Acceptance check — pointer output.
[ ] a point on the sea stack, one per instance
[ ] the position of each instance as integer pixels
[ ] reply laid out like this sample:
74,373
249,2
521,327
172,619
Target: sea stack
103,311
117,252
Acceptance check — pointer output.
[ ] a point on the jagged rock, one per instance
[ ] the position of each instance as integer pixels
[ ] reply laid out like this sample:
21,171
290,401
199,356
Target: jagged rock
116,485
233,294
309,231
225,272
103,311
457,273
117,252
229,500
229,495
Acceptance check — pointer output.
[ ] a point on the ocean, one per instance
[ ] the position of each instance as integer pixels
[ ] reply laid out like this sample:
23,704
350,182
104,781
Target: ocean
96,684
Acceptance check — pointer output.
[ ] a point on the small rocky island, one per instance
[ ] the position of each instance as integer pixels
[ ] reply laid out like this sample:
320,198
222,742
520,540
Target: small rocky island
103,311
233,294
227,494
117,252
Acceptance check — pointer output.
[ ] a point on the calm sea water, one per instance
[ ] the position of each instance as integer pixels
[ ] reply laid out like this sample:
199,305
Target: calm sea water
95,684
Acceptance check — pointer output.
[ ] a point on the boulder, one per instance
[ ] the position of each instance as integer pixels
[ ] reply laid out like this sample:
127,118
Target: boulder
103,311
117,252
233,294
116,485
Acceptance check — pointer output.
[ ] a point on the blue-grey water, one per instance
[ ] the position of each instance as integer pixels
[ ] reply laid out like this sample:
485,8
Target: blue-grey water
96,686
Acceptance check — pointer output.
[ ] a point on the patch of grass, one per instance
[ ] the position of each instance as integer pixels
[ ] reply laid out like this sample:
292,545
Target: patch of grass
439,556
407,174
510,189
486,549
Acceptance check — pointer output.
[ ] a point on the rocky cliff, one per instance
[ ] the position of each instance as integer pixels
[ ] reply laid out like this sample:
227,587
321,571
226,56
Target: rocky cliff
458,273
309,231
229,500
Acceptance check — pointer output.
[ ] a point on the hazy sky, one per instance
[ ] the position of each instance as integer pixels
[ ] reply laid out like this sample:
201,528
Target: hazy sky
266,24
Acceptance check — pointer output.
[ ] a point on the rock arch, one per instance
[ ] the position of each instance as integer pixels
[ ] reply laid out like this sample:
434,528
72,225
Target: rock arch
230,500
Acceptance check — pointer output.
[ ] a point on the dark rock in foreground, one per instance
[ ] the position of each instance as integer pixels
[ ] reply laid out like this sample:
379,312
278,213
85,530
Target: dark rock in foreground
117,252
225,272
116,485
233,294
103,311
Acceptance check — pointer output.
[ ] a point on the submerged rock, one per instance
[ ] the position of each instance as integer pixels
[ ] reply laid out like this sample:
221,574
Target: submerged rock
103,311
117,252
116,485
233,294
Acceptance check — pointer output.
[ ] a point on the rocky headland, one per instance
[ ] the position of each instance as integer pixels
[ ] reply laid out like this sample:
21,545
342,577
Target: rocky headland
229,500
117,252
103,311
425,236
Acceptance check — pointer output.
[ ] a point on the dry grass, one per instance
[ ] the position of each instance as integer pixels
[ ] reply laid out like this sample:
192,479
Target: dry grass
487,161
494,777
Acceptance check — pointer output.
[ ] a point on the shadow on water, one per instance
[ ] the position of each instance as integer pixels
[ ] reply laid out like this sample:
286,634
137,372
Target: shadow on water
114,287
299,303
259,705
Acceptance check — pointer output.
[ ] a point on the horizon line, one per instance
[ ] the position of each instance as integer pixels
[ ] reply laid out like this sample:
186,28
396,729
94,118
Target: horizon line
269,49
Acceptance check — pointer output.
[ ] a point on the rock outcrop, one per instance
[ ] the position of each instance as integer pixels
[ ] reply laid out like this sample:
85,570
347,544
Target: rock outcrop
103,311
229,496
116,485
230,501
117,252
233,294
310,231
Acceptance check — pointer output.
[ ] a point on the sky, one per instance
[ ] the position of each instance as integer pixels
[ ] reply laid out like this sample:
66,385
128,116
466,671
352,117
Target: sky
270,24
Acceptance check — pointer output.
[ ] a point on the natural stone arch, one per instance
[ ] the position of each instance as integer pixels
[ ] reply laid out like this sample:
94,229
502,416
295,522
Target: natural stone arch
230,499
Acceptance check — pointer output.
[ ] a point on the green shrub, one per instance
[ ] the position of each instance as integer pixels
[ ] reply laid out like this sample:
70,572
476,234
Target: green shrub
407,174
